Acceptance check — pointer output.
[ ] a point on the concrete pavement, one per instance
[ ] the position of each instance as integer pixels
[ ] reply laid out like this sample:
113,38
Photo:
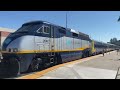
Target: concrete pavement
96,67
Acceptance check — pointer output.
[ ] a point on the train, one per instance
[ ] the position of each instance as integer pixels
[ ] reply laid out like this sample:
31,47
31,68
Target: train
100,46
38,44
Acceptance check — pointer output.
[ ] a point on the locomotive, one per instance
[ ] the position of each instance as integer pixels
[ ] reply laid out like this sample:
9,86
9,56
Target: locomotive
38,44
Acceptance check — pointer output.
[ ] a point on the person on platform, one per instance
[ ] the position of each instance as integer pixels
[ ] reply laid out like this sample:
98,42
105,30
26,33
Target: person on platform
103,52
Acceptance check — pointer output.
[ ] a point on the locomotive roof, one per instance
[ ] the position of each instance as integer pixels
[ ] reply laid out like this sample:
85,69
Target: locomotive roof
45,22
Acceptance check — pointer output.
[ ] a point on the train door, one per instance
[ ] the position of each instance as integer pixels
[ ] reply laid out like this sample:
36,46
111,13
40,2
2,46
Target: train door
52,41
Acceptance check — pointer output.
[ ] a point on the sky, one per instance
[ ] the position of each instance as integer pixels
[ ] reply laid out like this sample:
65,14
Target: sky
100,25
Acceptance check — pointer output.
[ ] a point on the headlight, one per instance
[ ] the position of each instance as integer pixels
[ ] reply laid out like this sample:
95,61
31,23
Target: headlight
13,50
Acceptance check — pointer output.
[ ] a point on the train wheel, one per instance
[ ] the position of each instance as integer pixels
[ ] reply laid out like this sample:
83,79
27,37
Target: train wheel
87,54
56,60
35,64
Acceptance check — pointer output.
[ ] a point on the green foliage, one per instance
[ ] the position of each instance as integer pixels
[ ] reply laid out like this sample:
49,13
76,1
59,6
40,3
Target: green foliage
115,41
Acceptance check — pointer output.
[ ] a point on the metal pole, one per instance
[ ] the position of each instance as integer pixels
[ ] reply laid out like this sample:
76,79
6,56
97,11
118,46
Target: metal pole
66,19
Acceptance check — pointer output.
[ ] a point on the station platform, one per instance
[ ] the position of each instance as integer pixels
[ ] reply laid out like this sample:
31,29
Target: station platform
95,67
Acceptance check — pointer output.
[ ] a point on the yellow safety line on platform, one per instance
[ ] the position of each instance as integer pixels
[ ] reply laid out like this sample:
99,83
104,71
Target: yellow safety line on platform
41,73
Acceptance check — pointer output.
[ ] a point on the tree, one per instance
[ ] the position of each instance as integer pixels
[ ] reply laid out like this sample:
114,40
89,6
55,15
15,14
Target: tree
113,41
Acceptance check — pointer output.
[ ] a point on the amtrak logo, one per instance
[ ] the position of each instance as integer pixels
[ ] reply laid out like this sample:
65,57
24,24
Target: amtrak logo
68,42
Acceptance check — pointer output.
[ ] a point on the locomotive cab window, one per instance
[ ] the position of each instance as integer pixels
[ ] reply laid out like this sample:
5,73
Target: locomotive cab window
40,30
46,30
